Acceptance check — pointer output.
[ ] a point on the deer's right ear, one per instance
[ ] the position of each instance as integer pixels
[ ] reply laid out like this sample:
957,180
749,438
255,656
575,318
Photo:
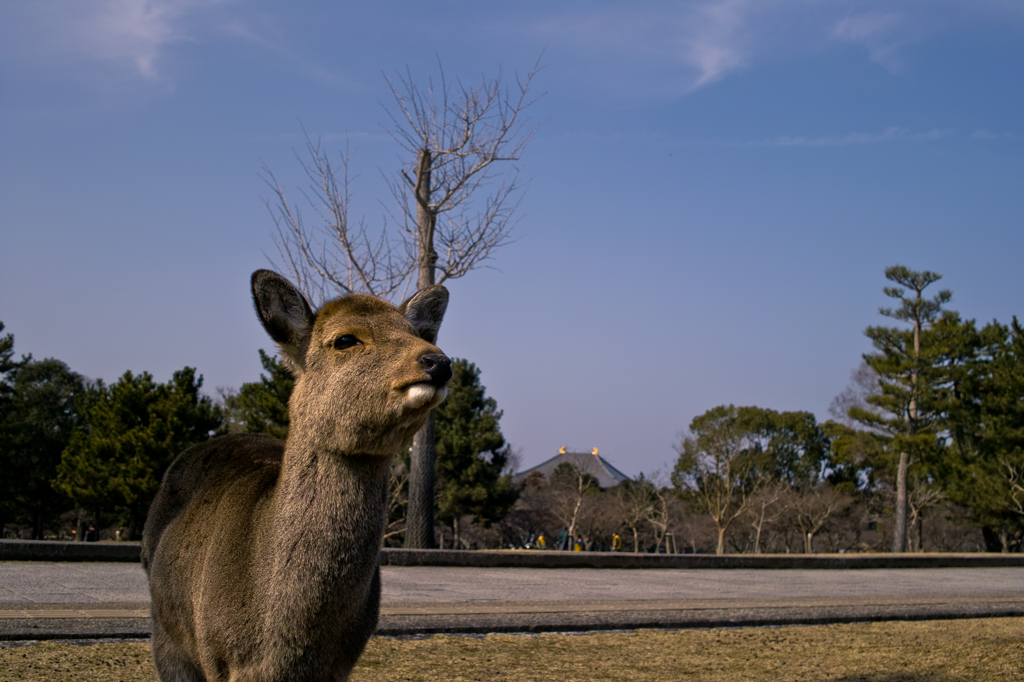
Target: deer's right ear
285,315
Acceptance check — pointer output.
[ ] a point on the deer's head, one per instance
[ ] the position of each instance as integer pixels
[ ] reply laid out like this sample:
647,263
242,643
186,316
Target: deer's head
367,373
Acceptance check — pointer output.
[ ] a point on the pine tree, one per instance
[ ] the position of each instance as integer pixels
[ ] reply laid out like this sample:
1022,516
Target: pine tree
909,364
986,426
131,432
41,413
262,406
471,453
7,366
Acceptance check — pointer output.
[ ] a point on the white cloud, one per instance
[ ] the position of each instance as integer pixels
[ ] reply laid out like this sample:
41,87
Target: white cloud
988,136
131,34
261,32
878,31
681,47
715,44
698,43
132,30
891,134
866,26
675,48
134,37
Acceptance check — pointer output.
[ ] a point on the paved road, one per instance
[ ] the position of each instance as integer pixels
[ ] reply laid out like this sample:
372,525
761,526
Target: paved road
83,583
432,599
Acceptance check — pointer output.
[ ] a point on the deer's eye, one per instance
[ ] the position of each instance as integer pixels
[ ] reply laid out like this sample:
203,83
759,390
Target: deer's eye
346,341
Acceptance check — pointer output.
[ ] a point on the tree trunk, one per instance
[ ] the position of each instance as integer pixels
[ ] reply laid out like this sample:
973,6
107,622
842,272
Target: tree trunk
899,535
419,525
426,259
419,520
721,541
899,539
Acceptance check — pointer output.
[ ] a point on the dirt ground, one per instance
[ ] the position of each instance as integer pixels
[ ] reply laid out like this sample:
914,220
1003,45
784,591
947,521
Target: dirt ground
985,650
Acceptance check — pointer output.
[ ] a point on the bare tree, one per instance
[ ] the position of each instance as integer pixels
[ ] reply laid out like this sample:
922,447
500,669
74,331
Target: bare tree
634,501
863,384
332,258
597,520
813,507
949,529
697,530
921,498
759,514
569,487
660,517
455,200
397,499
531,516
456,135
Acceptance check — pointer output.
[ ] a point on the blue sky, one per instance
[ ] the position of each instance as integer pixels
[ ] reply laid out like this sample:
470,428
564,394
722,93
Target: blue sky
716,188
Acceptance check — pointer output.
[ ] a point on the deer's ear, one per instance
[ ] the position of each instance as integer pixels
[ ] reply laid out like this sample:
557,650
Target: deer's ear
285,315
425,310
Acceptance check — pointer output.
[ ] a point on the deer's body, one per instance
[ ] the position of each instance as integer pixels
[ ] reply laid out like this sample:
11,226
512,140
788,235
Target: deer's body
263,555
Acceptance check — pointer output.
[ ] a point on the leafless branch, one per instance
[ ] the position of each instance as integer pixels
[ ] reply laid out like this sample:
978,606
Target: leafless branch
465,131
397,499
454,200
333,258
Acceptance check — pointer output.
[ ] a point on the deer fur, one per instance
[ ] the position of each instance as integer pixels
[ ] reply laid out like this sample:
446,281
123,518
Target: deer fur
262,555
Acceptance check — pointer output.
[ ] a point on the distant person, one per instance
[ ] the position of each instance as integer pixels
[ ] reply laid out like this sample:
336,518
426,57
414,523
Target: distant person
563,540
579,545
541,542
616,543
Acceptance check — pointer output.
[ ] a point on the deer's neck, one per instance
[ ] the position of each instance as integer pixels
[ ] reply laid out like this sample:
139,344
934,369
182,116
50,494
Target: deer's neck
329,515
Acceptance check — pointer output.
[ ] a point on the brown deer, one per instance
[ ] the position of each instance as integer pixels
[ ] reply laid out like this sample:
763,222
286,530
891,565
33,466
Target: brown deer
263,555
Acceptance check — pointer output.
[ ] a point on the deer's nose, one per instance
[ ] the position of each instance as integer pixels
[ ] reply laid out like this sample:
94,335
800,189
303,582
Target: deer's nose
437,367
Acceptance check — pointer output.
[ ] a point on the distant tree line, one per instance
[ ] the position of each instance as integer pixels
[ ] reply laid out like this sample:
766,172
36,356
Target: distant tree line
924,451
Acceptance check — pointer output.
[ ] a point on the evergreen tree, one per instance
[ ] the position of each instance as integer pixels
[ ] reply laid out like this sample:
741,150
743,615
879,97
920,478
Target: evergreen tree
40,415
795,446
910,365
986,427
854,455
471,453
262,406
131,432
7,366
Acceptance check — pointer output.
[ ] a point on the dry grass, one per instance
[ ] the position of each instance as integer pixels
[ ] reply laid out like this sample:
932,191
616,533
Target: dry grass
935,651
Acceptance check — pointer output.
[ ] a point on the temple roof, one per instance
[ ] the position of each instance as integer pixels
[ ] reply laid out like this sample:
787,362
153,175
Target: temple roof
590,462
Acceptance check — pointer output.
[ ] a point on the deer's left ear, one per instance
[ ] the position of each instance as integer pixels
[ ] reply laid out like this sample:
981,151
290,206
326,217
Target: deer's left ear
425,310
285,315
